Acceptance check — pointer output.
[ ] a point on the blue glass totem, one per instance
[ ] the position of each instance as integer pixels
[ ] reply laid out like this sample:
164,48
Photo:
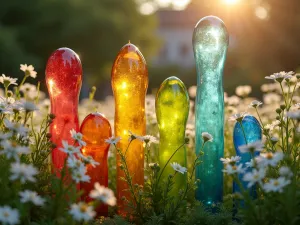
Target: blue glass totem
210,42
253,133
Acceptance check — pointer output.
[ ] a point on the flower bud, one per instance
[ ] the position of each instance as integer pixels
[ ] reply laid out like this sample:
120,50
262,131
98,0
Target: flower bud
282,107
278,110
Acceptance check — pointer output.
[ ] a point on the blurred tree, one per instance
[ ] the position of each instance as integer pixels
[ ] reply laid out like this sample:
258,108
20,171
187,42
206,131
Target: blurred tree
31,30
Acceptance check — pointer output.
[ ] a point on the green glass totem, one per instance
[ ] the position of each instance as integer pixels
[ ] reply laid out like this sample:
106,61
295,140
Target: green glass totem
210,42
172,110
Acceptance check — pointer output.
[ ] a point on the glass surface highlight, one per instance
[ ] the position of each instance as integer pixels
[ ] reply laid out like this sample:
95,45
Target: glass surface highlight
63,79
210,42
129,79
95,129
172,110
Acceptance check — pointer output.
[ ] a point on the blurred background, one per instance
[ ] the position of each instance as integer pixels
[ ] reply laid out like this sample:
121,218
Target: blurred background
264,37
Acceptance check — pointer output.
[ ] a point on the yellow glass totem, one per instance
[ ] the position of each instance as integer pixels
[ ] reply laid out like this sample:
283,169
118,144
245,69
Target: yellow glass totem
129,79
172,110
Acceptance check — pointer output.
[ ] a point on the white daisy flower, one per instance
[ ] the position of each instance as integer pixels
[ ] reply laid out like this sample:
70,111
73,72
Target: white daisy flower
178,168
255,104
243,90
79,175
11,150
74,163
293,115
148,139
250,164
269,159
15,127
31,196
256,146
279,77
28,70
69,149
285,171
82,212
207,137
132,136
233,100
233,160
77,137
28,106
24,172
88,160
5,136
103,194
113,140
255,176
28,88
6,81
233,169
9,215
238,117
276,185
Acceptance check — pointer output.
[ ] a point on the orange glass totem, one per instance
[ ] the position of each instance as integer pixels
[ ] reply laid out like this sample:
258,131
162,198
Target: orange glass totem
129,79
95,129
63,79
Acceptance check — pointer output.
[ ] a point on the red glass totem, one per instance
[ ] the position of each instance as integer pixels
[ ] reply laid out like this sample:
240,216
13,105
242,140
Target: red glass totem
95,129
63,79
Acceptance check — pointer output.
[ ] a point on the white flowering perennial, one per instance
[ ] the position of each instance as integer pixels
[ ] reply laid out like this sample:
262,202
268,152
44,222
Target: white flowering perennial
276,185
23,172
233,169
148,139
77,136
69,149
178,168
103,194
233,160
256,146
238,116
31,196
243,91
28,70
269,159
82,212
255,104
7,81
9,215
113,140
207,137
255,176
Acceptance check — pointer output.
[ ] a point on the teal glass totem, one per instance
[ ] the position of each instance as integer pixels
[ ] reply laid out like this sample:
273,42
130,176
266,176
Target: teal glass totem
253,133
210,42
172,109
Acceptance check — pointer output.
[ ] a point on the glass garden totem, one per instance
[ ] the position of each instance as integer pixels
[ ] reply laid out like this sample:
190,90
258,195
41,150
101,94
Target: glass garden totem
129,79
63,79
253,133
210,42
95,129
172,110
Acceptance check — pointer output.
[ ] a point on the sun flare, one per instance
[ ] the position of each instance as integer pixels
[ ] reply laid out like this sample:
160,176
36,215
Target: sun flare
231,2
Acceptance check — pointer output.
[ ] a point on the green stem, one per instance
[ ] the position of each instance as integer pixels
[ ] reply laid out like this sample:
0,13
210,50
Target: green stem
244,134
169,161
18,88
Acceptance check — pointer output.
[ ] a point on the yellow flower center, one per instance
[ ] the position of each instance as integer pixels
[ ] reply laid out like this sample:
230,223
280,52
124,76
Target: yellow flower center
83,208
269,156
